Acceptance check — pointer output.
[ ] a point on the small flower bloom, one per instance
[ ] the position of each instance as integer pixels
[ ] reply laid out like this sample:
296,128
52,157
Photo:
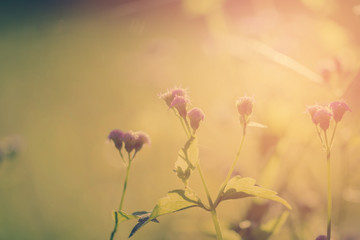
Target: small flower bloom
180,103
141,139
321,237
130,141
245,105
312,110
178,92
322,117
169,95
339,108
195,115
117,137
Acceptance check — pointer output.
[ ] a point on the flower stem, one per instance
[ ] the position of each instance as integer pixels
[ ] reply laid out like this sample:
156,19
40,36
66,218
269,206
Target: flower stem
231,169
329,205
125,184
212,207
122,196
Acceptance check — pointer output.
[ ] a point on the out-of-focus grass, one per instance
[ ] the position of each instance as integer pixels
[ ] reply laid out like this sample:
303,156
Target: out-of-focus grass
65,83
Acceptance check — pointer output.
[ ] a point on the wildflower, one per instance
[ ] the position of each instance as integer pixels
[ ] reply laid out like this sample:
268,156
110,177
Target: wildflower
195,115
130,141
117,137
321,237
180,103
322,117
312,110
169,96
338,109
141,139
245,105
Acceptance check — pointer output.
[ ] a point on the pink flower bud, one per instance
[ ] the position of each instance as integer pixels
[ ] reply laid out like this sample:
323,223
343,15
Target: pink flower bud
130,141
117,137
322,117
141,139
321,237
338,109
312,110
245,105
169,96
195,115
180,103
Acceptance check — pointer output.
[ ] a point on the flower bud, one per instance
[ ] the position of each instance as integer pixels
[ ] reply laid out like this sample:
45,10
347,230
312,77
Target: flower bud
322,117
169,96
321,237
312,110
195,115
338,109
117,137
245,105
130,141
141,139
180,103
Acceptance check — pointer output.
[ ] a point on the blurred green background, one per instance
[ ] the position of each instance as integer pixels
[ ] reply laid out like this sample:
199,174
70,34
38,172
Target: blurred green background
72,71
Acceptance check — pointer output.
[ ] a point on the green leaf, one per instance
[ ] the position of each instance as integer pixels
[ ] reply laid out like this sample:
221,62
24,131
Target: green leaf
256,124
182,170
191,152
239,187
121,216
174,201
271,227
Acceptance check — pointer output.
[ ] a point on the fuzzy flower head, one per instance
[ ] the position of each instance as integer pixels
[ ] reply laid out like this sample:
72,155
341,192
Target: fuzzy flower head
245,105
117,137
141,139
312,110
130,139
322,117
321,237
180,103
195,115
338,109
169,95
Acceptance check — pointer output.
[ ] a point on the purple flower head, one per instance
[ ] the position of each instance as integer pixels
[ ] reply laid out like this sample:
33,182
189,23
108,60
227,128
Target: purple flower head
338,109
321,237
117,137
141,139
245,105
180,104
169,95
322,117
312,110
130,141
195,115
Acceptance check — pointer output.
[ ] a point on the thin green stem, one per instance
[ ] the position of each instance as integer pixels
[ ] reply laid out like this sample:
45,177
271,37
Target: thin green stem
333,135
188,134
329,206
123,194
216,224
231,169
212,207
125,184
319,134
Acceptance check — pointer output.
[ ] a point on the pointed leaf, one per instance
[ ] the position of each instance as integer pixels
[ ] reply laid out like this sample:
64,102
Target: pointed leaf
174,201
256,124
239,187
121,216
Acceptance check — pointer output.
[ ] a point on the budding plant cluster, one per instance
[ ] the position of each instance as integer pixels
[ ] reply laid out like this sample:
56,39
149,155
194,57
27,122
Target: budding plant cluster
322,116
187,163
